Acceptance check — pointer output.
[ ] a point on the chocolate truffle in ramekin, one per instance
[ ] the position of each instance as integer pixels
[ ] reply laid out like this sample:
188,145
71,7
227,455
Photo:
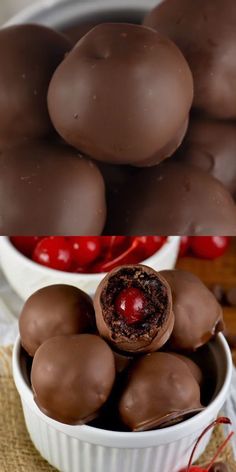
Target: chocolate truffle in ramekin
198,315
160,391
72,377
53,311
122,95
49,188
133,309
29,55
204,30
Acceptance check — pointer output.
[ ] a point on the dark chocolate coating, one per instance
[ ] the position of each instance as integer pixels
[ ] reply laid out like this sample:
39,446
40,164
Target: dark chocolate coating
211,146
48,188
172,198
122,95
72,377
219,467
194,368
160,390
198,315
204,30
157,323
53,311
29,55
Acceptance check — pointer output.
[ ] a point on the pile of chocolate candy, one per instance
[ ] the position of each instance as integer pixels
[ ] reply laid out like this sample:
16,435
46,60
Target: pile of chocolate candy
81,126
133,359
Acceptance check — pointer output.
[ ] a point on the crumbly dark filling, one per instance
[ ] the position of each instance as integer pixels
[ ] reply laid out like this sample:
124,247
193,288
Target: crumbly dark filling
155,311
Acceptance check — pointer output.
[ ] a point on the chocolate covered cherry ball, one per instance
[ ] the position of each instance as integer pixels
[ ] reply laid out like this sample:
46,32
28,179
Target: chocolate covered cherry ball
204,30
133,308
122,95
211,146
29,56
198,315
49,188
72,377
53,311
160,391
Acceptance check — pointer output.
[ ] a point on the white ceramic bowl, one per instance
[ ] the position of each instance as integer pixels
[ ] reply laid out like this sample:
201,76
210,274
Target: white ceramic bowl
26,276
88,449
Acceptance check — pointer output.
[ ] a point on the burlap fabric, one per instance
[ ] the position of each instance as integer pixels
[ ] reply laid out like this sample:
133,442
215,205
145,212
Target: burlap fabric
17,453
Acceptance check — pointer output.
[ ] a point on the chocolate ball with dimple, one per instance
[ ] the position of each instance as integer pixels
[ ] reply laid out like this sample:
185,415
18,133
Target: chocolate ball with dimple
133,309
72,377
53,311
122,95
29,55
211,146
198,315
205,33
172,198
48,188
160,391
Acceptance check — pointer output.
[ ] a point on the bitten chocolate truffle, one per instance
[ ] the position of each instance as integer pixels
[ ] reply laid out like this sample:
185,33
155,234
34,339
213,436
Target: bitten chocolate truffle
198,315
172,198
205,33
48,188
122,95
211,146
53,311
29,56
160,391
72,377
133,309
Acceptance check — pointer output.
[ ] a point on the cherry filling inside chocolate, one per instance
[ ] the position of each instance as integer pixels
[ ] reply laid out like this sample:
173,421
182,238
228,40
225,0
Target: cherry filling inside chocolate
135,303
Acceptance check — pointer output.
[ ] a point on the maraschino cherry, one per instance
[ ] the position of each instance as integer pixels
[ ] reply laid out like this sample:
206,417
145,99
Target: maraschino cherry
54,252
209,247
130,304
209,467
85,249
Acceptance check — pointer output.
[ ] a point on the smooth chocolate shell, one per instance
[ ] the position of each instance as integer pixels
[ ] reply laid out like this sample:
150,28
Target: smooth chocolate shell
172,198
211,146
72,377
198,315
160,390
53,311
122,95
29,55
194,368
48,188
155,328
204,30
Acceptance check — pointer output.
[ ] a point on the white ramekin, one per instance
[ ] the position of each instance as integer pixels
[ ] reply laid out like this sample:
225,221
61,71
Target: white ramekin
26,276
88,449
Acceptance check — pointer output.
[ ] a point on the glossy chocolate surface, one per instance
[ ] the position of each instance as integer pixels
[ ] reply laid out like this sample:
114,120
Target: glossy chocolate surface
122,95
53,311
72,377
205,32
29,55
48,188
198,315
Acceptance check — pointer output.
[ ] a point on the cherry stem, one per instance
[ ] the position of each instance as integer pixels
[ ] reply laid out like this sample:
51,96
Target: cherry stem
221,420
120,258
221,448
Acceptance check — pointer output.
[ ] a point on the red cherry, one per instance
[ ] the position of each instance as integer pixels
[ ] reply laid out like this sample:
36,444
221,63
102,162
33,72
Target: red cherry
184,245
130,304
150,244
85,249
54,252
25,244
113,242
209,247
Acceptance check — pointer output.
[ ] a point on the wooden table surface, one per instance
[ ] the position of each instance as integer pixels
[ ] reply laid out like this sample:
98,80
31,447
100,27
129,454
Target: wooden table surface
221,271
